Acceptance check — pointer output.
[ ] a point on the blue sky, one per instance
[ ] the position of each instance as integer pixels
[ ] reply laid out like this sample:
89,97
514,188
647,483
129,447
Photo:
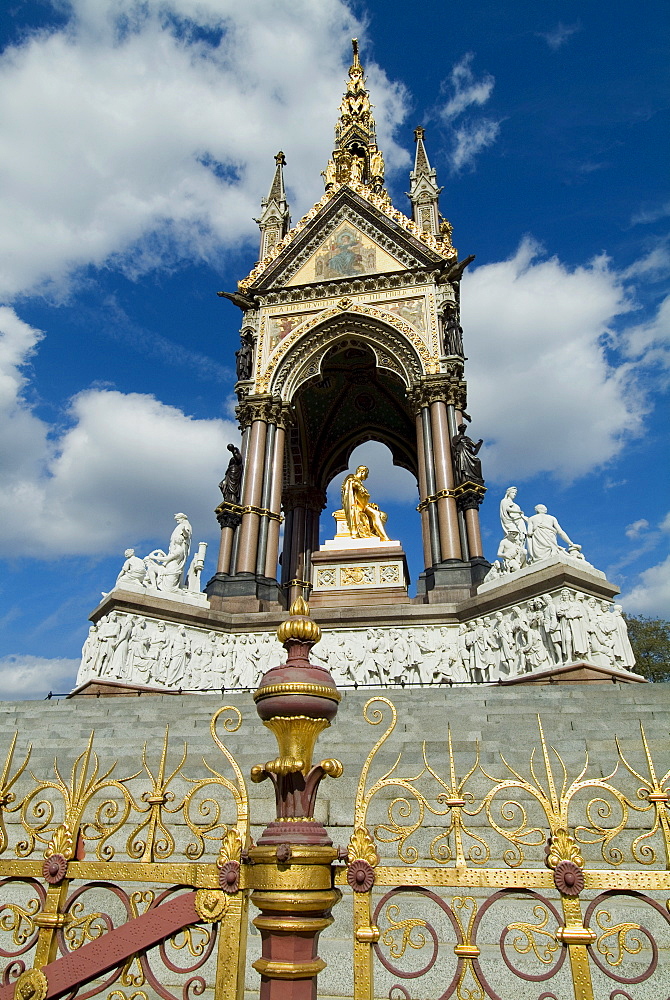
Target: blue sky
136,140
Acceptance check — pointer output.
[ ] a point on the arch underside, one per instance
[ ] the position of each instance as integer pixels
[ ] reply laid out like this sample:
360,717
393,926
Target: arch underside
348,400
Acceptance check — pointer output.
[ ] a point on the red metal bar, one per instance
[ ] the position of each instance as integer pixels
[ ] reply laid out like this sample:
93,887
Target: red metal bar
116,946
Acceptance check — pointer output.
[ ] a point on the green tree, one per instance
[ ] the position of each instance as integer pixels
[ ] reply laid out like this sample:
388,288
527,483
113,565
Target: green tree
650,639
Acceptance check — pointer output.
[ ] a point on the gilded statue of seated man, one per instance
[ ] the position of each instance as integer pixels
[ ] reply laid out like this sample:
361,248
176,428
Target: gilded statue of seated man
364,519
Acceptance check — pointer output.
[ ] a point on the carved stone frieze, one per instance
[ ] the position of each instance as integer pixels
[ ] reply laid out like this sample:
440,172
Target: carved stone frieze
547,630
347,286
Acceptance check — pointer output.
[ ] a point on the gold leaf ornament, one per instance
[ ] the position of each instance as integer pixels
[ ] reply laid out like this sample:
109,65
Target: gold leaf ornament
562,847
362,847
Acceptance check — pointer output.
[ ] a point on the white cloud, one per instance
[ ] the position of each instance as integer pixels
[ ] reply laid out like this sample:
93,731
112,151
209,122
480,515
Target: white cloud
543,391
125,140
649,343
651,596
470,139
655,264
112,476
559,35
33,677
637,528
650,214
473,135
466,89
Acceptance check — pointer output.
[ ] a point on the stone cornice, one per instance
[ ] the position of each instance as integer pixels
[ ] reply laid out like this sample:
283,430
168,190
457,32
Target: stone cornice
348,286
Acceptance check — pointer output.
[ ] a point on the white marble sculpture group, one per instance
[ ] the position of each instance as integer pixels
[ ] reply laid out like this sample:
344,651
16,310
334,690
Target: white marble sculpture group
528,540
532,635
165,571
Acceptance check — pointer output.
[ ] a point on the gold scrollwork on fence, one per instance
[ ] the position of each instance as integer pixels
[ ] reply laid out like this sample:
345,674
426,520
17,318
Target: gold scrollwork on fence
92,835
534,836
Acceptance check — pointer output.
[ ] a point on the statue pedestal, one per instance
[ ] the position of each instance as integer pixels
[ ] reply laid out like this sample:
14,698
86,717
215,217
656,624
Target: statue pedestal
350,572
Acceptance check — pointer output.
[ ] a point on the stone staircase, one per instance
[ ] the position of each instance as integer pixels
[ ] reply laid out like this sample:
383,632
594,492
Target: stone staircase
575,717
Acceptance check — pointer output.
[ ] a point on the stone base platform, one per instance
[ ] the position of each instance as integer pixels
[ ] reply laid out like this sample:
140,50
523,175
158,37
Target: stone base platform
357,572
580,671
520,631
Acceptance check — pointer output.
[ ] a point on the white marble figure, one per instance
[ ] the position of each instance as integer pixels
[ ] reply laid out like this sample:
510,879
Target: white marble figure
179,655
623,651
512,552
601,642
502,641
528,540
512,518
542,531
165,570
551,629
196,568
132,572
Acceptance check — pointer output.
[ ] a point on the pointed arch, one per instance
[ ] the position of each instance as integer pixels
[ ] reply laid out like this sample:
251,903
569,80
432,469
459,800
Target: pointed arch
395,345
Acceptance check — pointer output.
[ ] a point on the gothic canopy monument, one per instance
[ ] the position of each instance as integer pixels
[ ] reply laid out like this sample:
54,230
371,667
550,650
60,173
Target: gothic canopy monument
351,332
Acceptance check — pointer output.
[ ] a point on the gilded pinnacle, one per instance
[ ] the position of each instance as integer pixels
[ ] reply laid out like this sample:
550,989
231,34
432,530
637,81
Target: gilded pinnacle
299,626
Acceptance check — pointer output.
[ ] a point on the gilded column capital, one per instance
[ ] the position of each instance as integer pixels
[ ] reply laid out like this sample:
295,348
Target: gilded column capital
448,387
229,515
457,394
469,495
270,409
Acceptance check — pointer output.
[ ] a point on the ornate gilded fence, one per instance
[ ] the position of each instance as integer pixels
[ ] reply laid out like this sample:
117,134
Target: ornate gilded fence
516,876
123,885
527,883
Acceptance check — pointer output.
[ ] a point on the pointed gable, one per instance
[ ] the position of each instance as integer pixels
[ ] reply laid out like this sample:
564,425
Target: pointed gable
343,236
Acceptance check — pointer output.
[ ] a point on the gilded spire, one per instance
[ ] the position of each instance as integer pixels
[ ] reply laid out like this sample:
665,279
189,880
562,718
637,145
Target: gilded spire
356,159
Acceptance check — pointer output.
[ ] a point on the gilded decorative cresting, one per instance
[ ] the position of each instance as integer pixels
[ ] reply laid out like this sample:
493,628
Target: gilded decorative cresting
473,848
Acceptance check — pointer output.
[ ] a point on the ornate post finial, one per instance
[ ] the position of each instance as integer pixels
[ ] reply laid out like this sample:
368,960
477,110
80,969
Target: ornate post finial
292,861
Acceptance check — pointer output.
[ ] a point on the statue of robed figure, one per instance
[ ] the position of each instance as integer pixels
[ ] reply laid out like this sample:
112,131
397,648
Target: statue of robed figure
364,518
